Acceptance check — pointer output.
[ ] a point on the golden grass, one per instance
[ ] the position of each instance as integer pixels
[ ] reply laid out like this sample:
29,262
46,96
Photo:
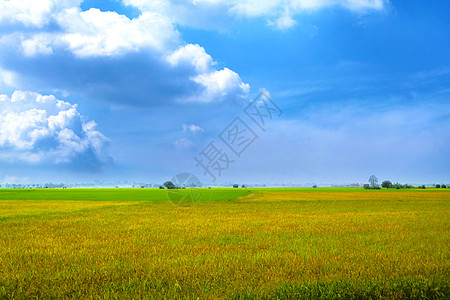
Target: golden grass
262,246
14,208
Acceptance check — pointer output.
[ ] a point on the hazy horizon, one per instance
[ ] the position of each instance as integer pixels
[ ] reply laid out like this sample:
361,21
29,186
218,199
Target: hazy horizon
280,92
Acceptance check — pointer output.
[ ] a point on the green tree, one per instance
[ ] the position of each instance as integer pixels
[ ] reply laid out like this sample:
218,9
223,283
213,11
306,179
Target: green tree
438,186
169,184
235,186
386,184
397,185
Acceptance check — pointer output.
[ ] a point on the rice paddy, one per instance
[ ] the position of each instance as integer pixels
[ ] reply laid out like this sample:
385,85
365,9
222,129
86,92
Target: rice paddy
325,243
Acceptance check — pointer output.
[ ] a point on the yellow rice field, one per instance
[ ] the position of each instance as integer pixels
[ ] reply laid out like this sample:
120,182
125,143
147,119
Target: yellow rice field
256,243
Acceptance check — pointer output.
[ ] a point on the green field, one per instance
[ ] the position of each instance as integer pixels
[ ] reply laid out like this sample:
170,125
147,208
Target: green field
326,243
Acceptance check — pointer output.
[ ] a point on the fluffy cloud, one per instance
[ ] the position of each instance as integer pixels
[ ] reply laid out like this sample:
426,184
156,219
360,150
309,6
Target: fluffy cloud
191,55
279,13
144,58
94,32
36,128
37,44
216,85
32,13
223,84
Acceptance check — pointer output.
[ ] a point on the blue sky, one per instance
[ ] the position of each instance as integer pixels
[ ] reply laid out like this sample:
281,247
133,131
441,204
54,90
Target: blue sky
136,89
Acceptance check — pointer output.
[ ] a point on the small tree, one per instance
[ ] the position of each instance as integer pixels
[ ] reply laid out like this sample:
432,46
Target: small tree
438,186
169,184
386,184
366,186
397,185
235,186
373,180
315,186
443,186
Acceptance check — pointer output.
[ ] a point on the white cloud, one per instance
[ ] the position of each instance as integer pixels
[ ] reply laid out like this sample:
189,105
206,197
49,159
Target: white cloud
284,21
97,33
361,5
203,13
94,32
220,85
216,84
193,55
38,44
36,128
192,128
7,79
254,8
32,13
185,72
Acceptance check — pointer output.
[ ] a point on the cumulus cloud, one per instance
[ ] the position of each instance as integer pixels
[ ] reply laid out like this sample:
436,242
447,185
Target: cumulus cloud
142,61
144,56
38,44
96,33
93,32
33,13
216,84
223,84
194,55
37,128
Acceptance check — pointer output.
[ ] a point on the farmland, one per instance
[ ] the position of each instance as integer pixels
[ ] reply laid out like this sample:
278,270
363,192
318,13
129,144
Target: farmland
230,243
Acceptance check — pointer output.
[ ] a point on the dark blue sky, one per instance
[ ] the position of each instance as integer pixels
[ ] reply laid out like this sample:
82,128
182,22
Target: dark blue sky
363,86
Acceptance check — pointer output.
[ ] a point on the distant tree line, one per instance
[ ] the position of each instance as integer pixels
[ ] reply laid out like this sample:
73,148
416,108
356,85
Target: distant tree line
35,186
387,184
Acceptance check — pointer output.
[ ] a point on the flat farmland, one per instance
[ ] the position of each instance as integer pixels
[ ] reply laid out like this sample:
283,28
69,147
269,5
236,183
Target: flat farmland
285,243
